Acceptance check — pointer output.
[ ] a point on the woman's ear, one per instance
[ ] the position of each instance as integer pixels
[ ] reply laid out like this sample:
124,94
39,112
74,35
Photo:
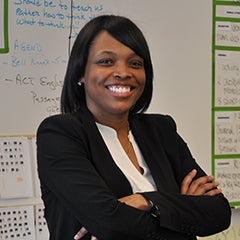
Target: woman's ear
80,82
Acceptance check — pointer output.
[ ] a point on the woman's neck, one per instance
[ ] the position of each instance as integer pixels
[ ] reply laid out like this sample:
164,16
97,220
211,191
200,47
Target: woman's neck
118,122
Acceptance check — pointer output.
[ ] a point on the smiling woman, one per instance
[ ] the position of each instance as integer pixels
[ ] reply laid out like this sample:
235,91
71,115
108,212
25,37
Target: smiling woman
114,78
107,169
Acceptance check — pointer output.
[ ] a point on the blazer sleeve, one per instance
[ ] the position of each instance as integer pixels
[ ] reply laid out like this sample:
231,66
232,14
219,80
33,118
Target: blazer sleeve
196,215
66,171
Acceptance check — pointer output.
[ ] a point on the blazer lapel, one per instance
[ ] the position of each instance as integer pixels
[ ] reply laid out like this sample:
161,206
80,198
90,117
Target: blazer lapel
150,142
101,157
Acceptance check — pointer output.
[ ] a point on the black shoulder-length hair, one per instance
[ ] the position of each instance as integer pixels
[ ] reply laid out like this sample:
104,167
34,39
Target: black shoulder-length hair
123,30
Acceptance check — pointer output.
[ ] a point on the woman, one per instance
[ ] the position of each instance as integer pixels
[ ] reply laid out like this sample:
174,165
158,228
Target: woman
106,168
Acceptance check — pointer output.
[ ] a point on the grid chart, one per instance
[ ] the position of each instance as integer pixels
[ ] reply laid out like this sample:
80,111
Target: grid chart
15,168
17,223
41,224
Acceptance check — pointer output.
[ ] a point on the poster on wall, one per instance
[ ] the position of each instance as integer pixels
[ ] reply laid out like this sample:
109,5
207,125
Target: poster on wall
226,98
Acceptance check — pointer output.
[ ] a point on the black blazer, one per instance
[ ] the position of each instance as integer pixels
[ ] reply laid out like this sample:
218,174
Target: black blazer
81,183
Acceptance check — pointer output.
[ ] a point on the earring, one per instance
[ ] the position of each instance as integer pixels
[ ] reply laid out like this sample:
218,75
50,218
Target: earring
79,83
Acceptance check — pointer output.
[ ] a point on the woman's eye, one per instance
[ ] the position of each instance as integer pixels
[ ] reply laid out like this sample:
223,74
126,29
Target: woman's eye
136,64
105,62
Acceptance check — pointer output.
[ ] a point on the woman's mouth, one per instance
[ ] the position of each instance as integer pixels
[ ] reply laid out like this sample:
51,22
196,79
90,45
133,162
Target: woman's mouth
120,89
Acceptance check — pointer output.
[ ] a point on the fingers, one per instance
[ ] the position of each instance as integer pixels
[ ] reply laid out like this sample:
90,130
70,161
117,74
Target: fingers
201,186
81,233
211,189
213,192
187,181
136,201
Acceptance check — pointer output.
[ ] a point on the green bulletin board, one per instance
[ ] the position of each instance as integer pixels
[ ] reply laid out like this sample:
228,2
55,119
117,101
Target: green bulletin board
226,98
4,48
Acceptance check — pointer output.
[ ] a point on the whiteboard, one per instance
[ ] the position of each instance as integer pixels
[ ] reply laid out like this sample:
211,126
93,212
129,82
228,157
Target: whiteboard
179,35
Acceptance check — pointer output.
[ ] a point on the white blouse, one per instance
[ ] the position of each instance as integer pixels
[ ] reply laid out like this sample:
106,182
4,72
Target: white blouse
139,182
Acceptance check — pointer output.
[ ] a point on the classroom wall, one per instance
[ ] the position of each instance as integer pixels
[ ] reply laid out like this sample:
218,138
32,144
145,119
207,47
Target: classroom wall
179,38
179,34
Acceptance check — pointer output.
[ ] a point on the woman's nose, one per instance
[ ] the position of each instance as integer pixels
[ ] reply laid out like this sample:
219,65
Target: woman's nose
121,72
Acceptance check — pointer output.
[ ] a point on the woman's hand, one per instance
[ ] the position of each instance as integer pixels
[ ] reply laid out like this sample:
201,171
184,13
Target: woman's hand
81,233
201,186
136,201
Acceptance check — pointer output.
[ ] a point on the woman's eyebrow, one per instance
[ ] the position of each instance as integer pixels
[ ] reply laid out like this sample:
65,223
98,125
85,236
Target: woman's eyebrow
109,52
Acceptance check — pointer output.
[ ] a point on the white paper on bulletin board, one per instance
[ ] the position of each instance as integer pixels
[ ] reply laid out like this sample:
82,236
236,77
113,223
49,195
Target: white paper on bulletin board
227,132
15,168
227,173
228,33
228,11
227,78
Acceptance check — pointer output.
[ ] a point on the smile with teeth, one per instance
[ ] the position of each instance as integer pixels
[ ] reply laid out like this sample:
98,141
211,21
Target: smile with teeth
119,89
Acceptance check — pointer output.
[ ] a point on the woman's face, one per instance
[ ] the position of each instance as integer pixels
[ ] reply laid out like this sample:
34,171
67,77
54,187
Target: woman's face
114,77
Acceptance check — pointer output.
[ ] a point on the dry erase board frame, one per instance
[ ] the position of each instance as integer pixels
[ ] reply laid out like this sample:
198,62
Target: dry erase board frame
226,98
4,47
